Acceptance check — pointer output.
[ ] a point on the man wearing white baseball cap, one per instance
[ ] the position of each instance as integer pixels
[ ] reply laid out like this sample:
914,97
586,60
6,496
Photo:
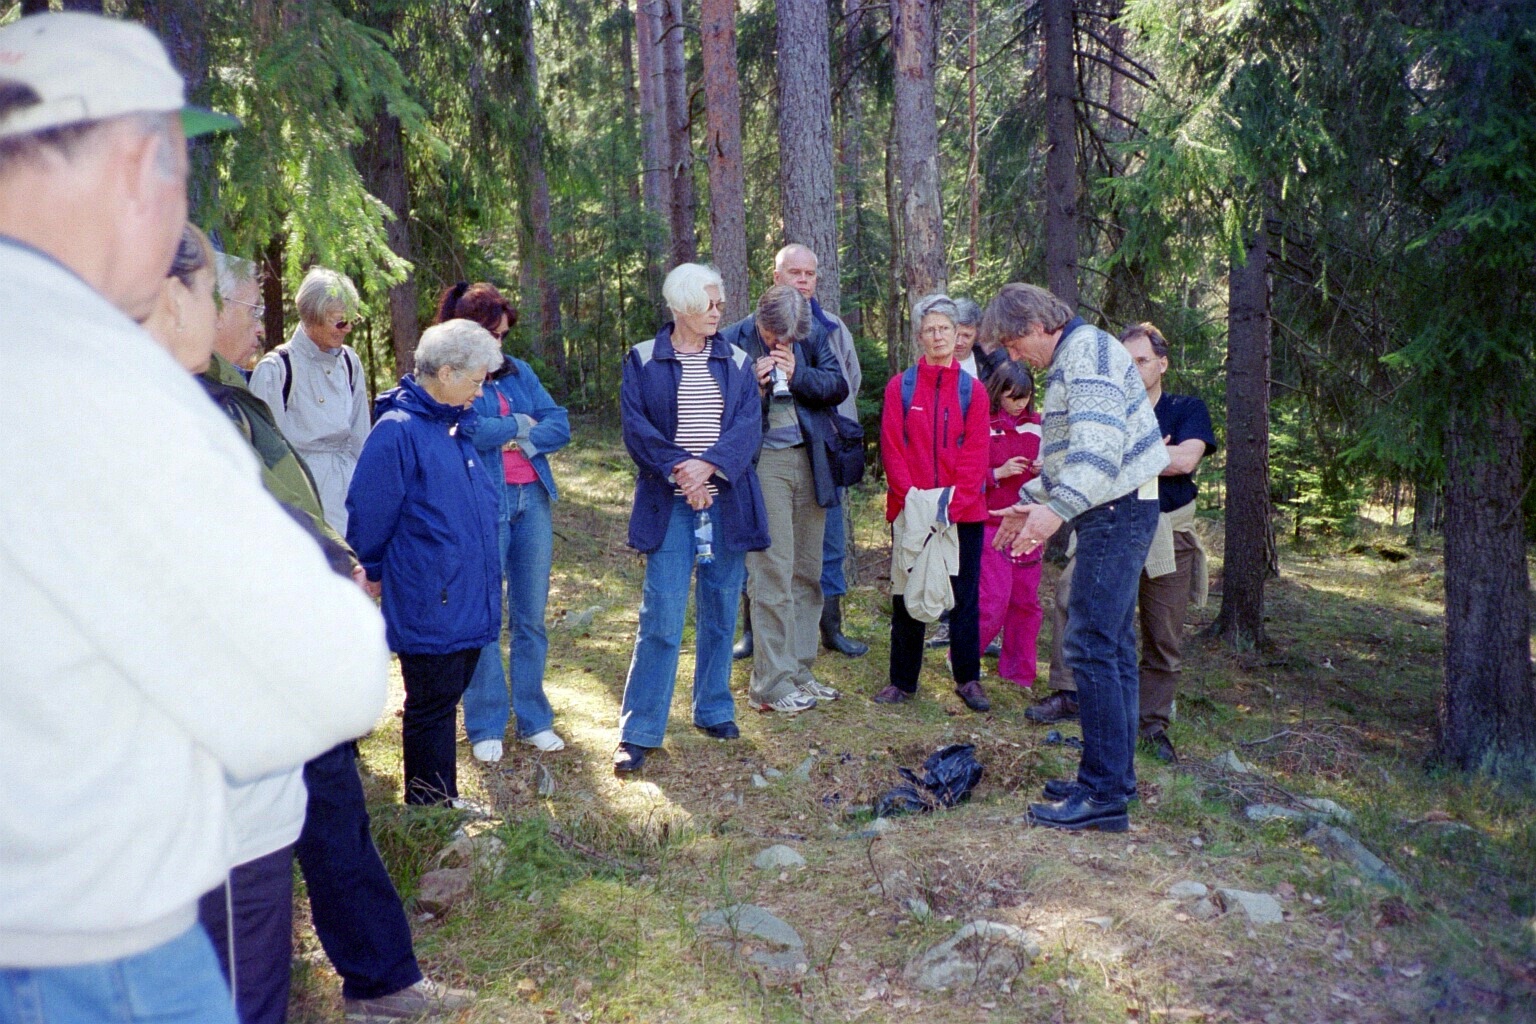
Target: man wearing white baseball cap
151,653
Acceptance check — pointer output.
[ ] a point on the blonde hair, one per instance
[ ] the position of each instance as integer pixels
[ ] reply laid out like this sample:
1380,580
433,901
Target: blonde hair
324,292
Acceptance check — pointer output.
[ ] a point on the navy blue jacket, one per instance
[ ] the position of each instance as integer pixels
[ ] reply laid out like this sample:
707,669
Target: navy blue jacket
648,402
422,518
527,403
818,387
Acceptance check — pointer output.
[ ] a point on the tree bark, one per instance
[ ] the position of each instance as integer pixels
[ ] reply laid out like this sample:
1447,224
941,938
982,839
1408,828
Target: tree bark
656,177
182,26
272,291
917,132
727,189
851,163
806,184
973,170
897,347
381,162
1249,528
536,243
685,244
1061,154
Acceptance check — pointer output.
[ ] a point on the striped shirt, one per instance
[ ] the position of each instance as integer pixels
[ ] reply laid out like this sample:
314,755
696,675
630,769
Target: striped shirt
700,407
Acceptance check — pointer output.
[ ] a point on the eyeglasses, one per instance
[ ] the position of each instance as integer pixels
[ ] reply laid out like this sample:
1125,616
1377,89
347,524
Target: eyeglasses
342,325
717,304
258,309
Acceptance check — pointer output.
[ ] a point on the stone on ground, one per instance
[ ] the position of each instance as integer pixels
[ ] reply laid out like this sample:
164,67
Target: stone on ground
1340,845
437,891
481,855
1187,890
751,925
1272,812
777,857
982,953
1260,907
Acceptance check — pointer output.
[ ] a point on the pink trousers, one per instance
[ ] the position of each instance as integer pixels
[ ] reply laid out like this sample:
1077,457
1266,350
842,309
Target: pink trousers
1010,604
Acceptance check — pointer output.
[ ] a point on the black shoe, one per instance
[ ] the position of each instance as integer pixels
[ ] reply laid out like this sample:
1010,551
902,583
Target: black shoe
973,696
1058,707
892,694
994,649
629,759
743,648
1161,747
832,630
1060,789
723,731
1081,811
940,637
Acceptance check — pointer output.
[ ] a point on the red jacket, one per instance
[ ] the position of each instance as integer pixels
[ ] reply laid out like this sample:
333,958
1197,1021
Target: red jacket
934,448
1011,437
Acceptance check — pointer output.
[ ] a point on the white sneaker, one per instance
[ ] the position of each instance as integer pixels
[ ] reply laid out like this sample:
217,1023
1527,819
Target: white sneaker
474,807
488,751
792,703
817,689
546,740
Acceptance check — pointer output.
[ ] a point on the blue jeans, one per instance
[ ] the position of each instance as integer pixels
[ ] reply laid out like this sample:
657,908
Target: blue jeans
1100,642
527,552
834,548
663,607
177,982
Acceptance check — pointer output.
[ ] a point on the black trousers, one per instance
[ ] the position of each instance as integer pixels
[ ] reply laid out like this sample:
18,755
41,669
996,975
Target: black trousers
964,628
261,896
433,685
356,910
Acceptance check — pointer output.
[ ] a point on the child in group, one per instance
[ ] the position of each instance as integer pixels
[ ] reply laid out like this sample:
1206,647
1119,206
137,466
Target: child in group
1009,586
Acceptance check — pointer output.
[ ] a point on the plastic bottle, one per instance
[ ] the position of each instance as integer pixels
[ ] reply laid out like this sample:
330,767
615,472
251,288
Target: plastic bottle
703,538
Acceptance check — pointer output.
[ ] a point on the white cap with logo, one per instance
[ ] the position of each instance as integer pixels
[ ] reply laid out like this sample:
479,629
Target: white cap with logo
84,67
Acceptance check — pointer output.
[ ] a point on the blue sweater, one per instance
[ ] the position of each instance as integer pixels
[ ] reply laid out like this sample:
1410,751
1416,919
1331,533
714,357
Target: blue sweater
528,403
648,403
422,518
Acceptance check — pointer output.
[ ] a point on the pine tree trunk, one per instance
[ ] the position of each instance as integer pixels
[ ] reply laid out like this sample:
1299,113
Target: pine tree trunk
272,291
973,171
685,244
1250,538
1061,154
536,244
851,164
806,184
655,175
917,131
182,26
381,162
1487,710
727,190
897,347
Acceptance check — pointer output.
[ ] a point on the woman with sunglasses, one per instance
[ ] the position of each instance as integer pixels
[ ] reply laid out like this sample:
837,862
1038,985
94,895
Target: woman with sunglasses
517,424
314,386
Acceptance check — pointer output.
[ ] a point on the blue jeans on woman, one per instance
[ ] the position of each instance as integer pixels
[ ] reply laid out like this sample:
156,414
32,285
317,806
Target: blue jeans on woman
527,553
663,607
1100,642
176,982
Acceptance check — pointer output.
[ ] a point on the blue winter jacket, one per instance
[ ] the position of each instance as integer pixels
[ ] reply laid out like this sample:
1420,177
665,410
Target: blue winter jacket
648,402
528,403
422,518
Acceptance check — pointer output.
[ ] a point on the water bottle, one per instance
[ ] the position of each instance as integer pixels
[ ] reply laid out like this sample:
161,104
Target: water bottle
703,538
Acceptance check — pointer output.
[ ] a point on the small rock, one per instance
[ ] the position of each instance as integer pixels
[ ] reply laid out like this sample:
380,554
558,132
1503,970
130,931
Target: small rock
1204,910
1187,890
482,854
1328,809
1274,812
579,622
1103,923
981,953
880,826
437,891
776,857
1260,907
784,950
758,782
772,773
802,772
1337,843
543,780
918,908
1232,763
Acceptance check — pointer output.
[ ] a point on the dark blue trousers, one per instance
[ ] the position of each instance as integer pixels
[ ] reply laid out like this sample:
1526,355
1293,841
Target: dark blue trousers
356,910
261,896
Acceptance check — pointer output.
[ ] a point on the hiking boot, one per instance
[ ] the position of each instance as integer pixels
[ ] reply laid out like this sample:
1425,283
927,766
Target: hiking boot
1058,707
743,649
629,758
792,703
940,637
426,998
813,687
973,696
832,630
1160,746
893,694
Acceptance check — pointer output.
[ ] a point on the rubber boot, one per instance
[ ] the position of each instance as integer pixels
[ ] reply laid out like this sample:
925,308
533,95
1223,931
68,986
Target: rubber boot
743,648
832,630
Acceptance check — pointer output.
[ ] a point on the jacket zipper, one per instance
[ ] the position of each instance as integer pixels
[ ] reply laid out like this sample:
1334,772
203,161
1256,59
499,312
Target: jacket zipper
938,381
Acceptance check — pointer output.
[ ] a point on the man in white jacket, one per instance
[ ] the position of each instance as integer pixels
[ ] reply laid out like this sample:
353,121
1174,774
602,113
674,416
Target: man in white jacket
159,641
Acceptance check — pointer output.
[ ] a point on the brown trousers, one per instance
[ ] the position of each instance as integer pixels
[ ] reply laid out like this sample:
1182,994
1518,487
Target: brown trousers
1163,602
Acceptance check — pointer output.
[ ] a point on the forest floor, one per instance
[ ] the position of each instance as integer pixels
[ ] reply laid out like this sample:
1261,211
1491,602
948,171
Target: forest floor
595,915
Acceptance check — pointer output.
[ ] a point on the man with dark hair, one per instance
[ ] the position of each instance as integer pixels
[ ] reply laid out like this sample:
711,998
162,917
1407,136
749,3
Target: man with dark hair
1101,454
1175,568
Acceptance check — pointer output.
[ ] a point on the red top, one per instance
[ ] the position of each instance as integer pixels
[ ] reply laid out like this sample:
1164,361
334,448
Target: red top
1011,436
514,464
932,445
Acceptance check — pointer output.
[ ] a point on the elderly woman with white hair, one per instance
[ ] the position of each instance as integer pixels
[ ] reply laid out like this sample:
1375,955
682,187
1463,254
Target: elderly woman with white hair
422,519
313,383
693,425
934,442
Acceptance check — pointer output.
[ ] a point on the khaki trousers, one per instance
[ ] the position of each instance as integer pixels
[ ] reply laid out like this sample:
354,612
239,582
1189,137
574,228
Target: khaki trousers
1163,602
784,581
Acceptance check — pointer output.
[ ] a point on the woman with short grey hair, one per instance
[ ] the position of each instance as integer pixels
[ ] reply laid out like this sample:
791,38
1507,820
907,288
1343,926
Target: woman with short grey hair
424,530
314,385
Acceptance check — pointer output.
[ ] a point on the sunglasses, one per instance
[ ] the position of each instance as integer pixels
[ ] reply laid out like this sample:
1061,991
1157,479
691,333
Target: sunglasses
342,325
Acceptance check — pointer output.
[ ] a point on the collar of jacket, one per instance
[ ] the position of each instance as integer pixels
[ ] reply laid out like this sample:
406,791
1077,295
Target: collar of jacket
664,350
413,398
823,317
1066,332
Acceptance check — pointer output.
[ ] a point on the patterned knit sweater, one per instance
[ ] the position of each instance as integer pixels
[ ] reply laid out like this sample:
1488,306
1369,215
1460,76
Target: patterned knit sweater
1099,436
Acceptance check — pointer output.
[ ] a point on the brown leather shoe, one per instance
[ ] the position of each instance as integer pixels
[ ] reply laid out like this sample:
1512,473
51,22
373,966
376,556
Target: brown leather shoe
974,697
893,695
1058,707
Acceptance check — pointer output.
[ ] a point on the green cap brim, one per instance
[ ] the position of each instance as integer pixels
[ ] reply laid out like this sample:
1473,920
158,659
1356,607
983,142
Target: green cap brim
196,121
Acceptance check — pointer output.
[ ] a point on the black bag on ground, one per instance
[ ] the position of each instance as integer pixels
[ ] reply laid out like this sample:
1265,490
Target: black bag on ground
949,775
845,450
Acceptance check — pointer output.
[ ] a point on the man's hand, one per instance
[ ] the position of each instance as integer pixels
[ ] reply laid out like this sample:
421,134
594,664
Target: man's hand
1013,467
764,370
785,359
372,589
1026,527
